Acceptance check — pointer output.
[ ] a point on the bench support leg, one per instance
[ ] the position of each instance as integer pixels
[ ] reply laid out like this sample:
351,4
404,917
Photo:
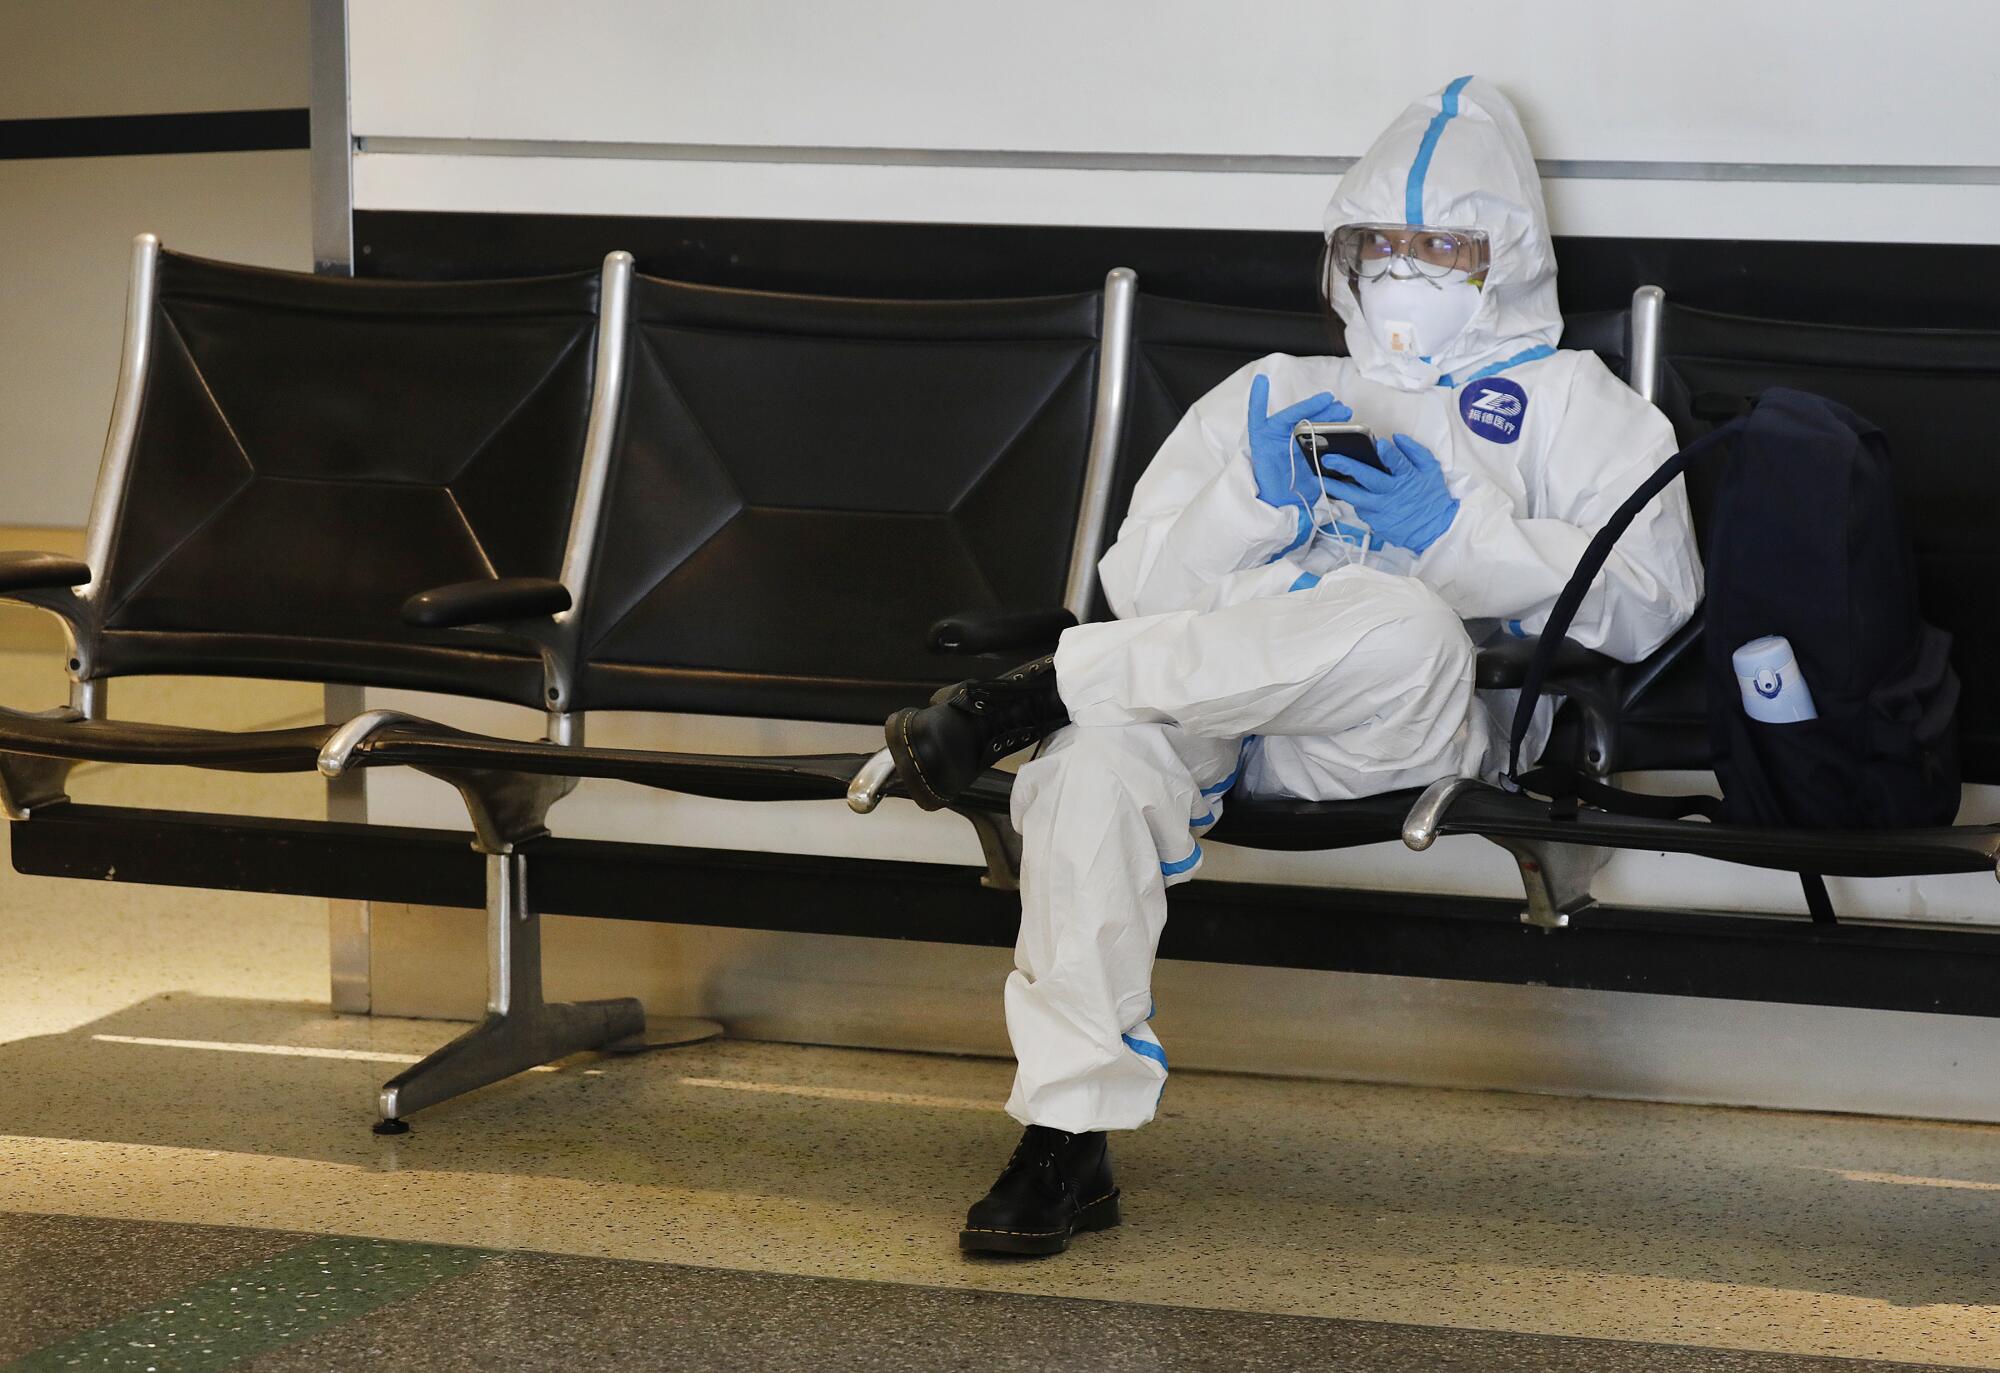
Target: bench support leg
28,782
521,1030
507,808
1555,876
1002,847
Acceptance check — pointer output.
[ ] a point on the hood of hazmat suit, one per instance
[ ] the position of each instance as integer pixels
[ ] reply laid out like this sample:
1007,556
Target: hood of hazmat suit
1480,177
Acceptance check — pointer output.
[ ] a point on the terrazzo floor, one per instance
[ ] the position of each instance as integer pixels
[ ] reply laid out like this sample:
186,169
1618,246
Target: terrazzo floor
187,1180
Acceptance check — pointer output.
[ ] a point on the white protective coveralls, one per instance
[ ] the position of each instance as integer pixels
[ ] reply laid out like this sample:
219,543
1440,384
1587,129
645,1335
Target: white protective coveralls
1219,675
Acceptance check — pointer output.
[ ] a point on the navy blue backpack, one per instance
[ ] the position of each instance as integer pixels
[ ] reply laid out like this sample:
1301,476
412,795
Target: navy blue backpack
1804,539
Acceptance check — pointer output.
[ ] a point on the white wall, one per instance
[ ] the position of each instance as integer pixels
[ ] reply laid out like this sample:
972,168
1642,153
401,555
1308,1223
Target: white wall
1176,113
66,224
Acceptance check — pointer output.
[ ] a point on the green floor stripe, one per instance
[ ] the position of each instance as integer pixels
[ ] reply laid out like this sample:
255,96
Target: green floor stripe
227,1319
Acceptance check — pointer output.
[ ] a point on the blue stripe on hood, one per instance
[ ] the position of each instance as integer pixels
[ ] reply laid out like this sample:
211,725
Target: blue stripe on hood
1413,196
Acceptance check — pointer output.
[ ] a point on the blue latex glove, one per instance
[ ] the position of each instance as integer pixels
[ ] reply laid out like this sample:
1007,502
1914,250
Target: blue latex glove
1284,476
1407,505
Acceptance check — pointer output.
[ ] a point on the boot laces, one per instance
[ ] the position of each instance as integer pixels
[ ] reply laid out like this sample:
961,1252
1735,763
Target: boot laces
1013,707
1040,1152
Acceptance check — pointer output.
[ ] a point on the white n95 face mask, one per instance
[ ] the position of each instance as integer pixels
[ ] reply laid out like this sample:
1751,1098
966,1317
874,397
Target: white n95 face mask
1413,316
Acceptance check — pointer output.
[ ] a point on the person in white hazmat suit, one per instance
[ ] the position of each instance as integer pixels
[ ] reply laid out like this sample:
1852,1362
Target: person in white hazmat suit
1282,637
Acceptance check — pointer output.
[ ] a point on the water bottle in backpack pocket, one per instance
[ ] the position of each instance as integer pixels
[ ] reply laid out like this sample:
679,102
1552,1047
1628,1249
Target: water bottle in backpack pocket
1767,676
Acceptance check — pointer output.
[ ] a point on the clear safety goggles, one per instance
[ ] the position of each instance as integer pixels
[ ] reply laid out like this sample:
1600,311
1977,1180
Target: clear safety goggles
1368,251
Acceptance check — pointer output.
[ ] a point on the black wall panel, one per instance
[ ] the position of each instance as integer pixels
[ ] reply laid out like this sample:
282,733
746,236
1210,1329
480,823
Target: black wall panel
1851,283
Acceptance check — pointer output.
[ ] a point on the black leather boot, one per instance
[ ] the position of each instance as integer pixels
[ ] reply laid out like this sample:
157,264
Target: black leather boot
942,748
1055,1185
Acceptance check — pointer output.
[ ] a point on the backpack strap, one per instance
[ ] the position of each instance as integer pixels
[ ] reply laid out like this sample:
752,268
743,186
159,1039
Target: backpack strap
1587,568
1564,784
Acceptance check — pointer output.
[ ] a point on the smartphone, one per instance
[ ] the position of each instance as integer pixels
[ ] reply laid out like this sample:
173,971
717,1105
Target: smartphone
1316,440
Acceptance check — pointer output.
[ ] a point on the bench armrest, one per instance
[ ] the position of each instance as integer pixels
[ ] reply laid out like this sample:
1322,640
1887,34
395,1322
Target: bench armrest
498,600
992,631
1505,664
21,572
1639,678
1588,678
1601,689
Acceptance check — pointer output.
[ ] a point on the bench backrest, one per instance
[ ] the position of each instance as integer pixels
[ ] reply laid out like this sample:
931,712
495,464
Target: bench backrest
801,485
291,456
1934,393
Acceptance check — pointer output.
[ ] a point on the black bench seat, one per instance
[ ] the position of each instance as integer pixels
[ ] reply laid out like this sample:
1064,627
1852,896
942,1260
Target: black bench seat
431,747
65,733
1274,824
1488,811
1310,826
390,740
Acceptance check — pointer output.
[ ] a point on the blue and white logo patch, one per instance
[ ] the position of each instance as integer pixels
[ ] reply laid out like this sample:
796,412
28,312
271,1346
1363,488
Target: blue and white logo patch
1494,408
